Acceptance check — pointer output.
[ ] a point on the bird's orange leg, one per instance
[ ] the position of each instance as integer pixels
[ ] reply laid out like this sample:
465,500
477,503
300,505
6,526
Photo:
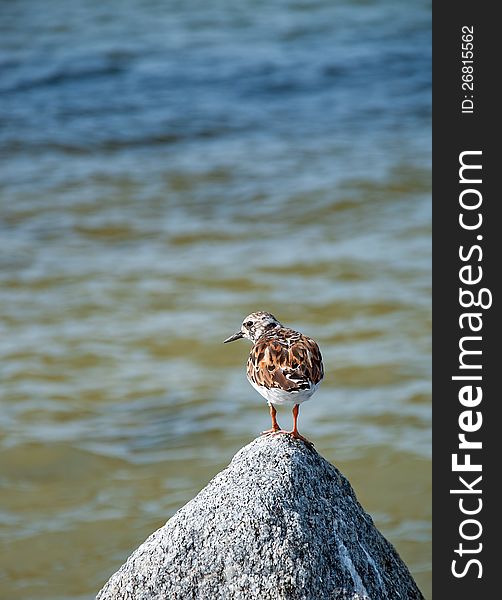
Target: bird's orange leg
294,432
275,426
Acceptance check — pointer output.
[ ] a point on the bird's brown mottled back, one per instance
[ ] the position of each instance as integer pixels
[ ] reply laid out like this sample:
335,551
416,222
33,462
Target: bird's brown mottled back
285,359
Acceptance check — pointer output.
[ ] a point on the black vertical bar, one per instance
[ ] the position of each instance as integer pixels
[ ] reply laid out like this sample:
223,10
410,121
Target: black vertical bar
465,120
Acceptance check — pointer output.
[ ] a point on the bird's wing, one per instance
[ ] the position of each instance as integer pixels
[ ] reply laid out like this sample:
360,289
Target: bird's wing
293,366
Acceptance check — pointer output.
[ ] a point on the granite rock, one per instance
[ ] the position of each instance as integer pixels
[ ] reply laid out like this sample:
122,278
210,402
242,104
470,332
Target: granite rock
279,522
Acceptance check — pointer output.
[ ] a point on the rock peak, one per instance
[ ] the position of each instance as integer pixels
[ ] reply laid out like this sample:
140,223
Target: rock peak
280,522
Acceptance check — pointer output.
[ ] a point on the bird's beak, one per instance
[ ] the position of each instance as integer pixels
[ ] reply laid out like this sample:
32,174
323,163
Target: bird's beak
236,336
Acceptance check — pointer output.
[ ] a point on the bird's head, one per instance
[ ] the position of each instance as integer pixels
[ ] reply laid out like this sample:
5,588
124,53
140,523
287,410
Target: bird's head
254,326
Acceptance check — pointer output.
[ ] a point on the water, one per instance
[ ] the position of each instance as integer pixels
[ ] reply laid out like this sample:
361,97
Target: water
167,168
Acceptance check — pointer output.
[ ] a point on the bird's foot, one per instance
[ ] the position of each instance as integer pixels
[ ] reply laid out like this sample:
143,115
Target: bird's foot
294,433
271,431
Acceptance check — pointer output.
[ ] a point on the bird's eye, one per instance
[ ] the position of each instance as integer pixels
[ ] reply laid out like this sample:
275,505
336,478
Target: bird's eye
248,323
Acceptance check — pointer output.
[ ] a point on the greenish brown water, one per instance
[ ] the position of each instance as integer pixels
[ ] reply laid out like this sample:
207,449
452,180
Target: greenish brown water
166,171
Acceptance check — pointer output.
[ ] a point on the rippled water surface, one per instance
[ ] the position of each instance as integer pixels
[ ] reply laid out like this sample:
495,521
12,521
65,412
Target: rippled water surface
167,168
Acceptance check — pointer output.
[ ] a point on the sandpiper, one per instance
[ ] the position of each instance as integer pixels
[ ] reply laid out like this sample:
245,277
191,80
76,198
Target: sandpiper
284,365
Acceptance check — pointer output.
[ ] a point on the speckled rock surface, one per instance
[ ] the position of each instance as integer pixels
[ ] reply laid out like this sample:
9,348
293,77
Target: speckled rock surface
279,522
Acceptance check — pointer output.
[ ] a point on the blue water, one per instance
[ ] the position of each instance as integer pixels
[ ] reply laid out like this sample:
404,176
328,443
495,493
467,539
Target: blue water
156,84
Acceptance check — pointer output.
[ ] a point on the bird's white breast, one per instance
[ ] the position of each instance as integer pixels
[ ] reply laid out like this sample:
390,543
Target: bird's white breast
279,396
